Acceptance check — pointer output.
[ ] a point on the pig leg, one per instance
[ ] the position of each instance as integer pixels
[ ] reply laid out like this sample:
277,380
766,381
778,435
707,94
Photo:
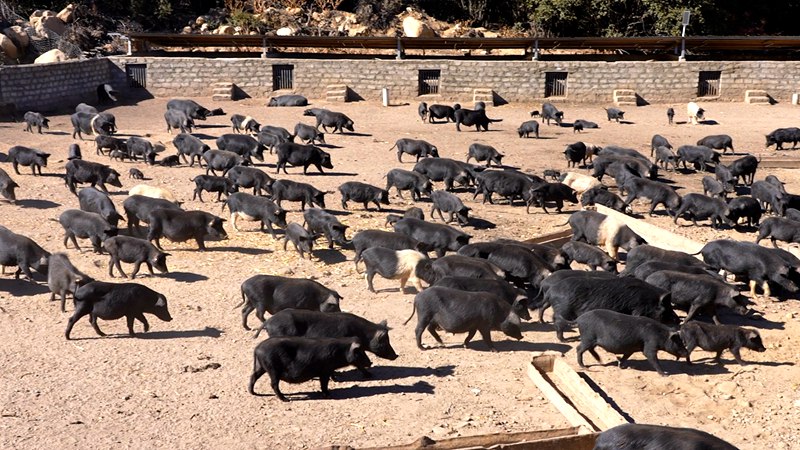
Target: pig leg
432,330
765,286
129,320
692,311
560,325
258,371
248,308
486,334
81,310
140,316
136,267
753,288
736,356
93,321
63,300
545,304
201,245
369,276
323,385
418,334
622,359
403,281
651,354
470,335
149,269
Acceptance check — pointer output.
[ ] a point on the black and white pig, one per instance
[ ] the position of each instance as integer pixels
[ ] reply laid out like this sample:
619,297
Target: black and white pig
441,238
134,251
414,147
624,335
7,186
85,225
444,201
406,180
300,359
293,191
698,293
404,265
271,293
634,436
386,239
63,278
245,124
718,338
598,229
254,208
92,200
323,223
298,155
463,312
486,153
180,226
363,193
589,255
109,301
22,252
190,146
212,183
35,119
29,157
250,177
222,160
700,207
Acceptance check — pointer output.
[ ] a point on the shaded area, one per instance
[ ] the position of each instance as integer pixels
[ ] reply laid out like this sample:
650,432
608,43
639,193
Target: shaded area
37,204
23,288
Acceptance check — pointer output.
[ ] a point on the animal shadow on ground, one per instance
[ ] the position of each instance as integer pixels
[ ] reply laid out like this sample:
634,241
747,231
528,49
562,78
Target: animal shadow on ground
329,256
204,136
185,277
708,122
244,250
210,125
397,372
23,288
182,334
37,204
333,146
588,380
742,190
750,320
331,174
352,134
626,122
666,360
356,391
481,224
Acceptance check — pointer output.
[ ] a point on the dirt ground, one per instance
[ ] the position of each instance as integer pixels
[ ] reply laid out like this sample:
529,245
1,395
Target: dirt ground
183,384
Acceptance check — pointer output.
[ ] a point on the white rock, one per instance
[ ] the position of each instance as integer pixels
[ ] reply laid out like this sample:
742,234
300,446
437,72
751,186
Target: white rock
54,55
225,29
413,27
50,23
285,31
67,14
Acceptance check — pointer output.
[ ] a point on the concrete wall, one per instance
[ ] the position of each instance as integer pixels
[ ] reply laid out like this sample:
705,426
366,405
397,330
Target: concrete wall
511,80
47,87
62,85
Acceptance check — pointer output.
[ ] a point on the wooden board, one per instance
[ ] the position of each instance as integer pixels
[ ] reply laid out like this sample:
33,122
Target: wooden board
562,438
653,234
571,395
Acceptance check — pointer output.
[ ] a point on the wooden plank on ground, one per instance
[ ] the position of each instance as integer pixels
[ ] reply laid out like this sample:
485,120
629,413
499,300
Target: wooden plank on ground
553,396
585,399
654,235
485,441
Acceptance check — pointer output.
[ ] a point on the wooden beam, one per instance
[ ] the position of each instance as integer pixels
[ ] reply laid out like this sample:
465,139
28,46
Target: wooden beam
566,409
654,235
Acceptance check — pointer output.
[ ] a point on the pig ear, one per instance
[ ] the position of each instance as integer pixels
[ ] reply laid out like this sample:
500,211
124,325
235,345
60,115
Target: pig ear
162,301
355,346
752,335
384,324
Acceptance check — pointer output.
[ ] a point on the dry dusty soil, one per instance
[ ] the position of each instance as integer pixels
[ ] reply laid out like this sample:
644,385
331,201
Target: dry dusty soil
183,384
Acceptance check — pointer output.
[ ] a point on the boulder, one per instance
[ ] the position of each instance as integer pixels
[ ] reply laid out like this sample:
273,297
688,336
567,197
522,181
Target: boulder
50,23
18,35
225,29
67,14
413,27
285,31
54,55
358,30
7,47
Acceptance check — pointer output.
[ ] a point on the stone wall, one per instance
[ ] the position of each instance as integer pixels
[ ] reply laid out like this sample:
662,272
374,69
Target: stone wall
53,86
514,81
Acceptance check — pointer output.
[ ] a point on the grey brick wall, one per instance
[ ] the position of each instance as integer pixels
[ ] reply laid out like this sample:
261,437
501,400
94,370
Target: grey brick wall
62,85
512,80
55,86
